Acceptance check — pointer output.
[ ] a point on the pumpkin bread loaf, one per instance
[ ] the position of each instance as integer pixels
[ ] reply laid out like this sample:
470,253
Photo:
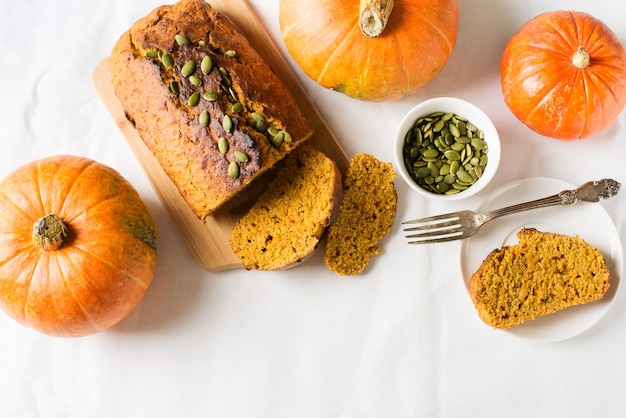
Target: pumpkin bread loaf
211,111
365,216
543,273
289,219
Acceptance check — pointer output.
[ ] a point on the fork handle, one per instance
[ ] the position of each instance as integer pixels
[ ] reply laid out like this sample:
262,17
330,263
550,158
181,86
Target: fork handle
591,191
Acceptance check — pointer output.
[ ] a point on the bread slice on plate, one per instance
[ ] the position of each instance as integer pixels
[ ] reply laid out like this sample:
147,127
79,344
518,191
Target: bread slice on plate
544,273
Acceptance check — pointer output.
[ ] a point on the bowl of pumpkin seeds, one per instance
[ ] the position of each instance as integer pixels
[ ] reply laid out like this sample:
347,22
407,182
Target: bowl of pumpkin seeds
447,148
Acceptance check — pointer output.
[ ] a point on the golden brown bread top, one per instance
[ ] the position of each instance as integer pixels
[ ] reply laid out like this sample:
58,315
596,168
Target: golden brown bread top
543,273
155,94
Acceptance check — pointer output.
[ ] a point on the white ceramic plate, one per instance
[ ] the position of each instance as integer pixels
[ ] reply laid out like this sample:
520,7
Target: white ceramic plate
587,220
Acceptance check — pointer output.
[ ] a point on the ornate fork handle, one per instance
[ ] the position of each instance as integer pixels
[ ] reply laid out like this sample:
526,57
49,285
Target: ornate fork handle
591,191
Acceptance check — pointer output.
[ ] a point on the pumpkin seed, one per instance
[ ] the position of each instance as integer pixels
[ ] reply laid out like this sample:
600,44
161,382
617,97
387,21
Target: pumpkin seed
201,43
261,126
188,68
194,99
206,65
277,140
181,39
210,96
241,156
222,145
167,60
236,108
204,117
258,117
288,137
174,87
195,80
151,53
233,170
454,130
445,153
227,123
230,53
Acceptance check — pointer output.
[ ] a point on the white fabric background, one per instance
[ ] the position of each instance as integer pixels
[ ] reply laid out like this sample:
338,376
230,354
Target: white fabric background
401,340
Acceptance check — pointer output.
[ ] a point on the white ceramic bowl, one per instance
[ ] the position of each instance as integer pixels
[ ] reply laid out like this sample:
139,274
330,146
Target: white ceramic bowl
462,108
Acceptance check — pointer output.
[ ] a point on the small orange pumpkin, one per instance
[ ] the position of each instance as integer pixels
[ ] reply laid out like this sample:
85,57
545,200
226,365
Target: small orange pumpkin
375,50
77,246
563,74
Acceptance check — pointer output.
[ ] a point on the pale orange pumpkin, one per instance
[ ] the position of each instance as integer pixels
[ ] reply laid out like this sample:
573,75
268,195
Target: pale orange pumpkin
375,50
563,74
77,246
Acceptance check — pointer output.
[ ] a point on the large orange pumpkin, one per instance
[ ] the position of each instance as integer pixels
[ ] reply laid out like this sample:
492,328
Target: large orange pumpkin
370,49
564,75
77,246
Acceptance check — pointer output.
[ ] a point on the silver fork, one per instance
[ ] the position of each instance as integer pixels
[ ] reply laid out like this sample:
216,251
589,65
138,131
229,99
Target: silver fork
466,223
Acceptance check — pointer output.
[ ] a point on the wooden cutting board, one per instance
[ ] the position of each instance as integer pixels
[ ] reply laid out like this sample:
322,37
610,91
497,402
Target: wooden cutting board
209,240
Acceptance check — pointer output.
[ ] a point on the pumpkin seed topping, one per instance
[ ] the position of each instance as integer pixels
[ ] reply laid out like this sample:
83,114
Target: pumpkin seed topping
181,39
167,60
236,108
241,156
204,118
227,123
278,139
233,170
206,65
174,87
194,99
188,68
257,117
230,53
195,80
210,96
222,145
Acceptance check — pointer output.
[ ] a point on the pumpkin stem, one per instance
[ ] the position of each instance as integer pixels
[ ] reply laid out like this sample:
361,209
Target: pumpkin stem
581,58
373,16
49,232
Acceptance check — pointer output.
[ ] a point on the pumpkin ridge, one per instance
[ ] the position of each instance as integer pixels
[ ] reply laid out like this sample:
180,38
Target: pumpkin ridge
69,219
546,97
15,205
322,73
125,273
70,289
598,75
404,66
442,35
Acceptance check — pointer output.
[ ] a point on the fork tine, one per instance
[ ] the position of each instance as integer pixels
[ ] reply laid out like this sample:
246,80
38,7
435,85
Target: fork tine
429,226
430,219
444,238
437,232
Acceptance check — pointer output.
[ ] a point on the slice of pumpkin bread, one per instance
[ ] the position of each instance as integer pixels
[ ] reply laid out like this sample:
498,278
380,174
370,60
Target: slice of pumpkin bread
289,219
365,216
543,273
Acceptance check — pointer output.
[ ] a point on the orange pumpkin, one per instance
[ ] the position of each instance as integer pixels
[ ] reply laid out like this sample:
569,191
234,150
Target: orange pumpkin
77,246
371,50
564,75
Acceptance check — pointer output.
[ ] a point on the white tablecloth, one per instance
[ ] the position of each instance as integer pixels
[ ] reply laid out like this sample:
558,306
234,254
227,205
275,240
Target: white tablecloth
401,340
